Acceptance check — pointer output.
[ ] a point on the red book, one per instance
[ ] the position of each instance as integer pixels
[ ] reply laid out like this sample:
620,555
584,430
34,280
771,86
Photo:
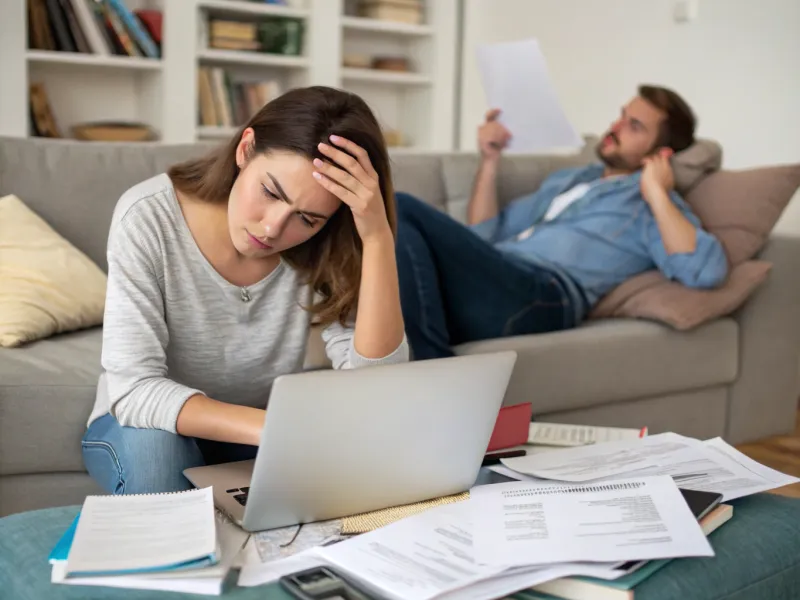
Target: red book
152,20
511,427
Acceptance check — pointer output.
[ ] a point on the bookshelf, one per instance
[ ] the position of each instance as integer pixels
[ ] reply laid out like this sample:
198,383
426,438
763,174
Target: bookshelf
164,93
92,60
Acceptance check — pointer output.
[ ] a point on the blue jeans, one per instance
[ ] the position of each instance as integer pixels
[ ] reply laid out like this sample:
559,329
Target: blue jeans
127,460
455,287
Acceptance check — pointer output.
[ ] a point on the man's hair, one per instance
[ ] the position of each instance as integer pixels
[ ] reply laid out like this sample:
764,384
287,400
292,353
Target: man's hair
677,129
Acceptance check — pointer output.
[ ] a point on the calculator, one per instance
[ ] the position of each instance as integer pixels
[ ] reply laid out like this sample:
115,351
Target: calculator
323,583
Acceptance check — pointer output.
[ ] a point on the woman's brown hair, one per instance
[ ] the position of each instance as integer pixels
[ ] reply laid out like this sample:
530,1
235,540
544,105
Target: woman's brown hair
296,122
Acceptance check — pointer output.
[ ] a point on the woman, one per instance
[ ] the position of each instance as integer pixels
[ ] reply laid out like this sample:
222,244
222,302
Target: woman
216,270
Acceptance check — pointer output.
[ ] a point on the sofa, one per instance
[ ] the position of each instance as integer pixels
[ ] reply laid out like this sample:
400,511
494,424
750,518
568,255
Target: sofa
735,376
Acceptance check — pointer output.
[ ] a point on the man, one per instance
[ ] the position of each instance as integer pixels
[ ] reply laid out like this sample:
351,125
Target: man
545,260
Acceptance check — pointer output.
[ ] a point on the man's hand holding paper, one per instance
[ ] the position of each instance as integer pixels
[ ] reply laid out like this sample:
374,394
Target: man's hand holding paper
517,84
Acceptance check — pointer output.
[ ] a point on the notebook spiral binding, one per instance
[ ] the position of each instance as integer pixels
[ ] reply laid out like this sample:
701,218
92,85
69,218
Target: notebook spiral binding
548,491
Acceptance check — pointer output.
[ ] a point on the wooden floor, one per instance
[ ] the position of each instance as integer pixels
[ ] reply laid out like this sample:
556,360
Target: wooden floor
781,453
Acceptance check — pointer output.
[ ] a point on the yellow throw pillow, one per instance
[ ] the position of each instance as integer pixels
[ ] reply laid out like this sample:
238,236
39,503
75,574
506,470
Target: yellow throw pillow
47,285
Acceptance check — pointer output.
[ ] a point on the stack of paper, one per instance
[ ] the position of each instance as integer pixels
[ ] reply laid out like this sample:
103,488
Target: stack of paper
710,465
170,542
598,512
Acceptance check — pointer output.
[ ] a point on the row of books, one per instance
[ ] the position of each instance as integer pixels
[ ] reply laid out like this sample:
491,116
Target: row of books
225,102
276,35
103,27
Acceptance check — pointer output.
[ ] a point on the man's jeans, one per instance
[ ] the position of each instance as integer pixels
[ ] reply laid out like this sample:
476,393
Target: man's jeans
127,460
455,287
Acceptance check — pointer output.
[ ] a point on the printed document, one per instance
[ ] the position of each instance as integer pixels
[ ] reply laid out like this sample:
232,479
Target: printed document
515,80
715,466
525,523
560,434
431,555
598,461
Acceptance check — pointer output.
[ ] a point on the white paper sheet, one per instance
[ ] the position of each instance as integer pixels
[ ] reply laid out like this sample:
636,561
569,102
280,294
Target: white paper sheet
516,80
718,467
711,465
526,523
417,558
258,573
431,555
749,476
566,435
505,471
149,531
598,461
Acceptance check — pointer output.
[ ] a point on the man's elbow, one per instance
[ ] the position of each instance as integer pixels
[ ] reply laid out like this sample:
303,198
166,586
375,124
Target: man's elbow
709,275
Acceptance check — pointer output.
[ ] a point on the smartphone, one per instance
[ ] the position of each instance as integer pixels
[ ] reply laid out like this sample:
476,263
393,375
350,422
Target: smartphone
321,583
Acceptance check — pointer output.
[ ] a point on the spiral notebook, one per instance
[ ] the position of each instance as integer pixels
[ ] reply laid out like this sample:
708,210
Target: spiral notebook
148,533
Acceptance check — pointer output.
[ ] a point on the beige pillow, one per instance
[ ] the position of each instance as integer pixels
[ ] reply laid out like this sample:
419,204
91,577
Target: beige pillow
651,296
47,286
691,165
741,209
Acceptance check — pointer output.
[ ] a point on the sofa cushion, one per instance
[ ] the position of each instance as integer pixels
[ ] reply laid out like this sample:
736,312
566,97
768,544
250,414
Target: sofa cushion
47,390
691,165
74,186
742,207
421,176
614,360
651,296
47,285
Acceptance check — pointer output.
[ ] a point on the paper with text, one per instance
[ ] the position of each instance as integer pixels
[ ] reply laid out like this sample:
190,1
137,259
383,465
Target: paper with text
597,461
525,523
139,533
749,477
515,80
560,434
715,466
431,555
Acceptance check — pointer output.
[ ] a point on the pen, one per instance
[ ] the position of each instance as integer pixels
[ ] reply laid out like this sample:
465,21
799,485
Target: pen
494,457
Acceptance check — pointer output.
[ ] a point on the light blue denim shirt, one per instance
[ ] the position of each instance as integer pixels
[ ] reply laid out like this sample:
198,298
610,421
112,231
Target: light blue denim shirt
602,239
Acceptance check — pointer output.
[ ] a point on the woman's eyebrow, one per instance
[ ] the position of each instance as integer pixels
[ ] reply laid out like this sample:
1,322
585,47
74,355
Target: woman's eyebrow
283,195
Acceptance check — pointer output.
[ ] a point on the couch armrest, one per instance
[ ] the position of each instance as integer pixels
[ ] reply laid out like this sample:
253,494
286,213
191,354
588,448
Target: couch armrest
763,401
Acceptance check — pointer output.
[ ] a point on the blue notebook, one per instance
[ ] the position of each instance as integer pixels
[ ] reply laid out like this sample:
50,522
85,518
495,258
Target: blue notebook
123,535
60,551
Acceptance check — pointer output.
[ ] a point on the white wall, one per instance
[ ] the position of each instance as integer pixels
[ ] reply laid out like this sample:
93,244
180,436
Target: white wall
738,65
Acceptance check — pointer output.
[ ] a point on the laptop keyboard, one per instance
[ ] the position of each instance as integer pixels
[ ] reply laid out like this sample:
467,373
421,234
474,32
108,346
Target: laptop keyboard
240,494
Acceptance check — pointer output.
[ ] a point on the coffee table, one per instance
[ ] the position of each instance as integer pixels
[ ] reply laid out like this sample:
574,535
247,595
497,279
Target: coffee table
757,557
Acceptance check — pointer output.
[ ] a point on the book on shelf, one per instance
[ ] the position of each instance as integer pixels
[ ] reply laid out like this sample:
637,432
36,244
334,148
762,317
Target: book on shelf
102,27
43,123
274,35
224,101
401,11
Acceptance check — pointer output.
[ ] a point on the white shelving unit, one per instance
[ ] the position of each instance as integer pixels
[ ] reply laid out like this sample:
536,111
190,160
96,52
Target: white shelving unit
43,57
238,57
163,93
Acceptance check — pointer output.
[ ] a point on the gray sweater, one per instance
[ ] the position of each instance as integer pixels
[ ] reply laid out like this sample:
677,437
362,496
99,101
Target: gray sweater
174,327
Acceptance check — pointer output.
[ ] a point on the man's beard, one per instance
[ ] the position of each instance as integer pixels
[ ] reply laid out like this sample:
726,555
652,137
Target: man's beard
614,161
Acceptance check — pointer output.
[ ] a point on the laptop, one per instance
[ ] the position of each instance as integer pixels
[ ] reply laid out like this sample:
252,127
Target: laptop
343,442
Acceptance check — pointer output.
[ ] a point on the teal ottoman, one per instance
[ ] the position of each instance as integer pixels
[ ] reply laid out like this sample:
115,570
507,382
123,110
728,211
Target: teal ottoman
757,557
